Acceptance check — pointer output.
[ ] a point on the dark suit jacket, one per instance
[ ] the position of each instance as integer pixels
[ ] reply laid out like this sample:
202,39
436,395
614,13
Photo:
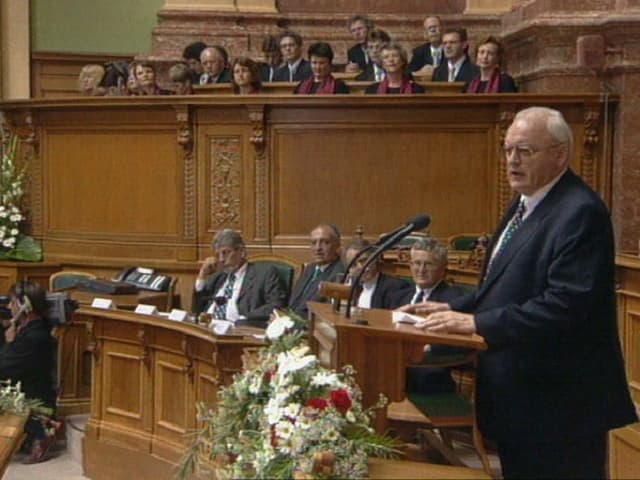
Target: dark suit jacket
386,287
356,55
224,77
260,293
301,294
442,293
264,69
548,314
420,57
302,72
29,360
467,71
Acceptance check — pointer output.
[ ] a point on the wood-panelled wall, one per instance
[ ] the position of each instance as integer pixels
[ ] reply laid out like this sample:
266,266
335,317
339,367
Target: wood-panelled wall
148,181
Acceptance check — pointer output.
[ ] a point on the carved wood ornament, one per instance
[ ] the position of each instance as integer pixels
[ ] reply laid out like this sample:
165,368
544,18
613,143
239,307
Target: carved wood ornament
225,182
591,143
185,142
257,139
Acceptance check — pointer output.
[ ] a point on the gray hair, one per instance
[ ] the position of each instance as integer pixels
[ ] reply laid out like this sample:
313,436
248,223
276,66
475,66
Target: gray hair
556,125
227,238
335,232
428,244
392,45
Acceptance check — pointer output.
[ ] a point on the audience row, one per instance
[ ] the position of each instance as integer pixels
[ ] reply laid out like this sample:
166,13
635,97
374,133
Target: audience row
375,58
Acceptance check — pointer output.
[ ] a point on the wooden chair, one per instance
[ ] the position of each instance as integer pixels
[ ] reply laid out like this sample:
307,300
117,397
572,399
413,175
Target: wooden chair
67,279
437,415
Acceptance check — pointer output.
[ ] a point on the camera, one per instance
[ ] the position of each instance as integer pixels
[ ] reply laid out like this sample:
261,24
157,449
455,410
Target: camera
60,307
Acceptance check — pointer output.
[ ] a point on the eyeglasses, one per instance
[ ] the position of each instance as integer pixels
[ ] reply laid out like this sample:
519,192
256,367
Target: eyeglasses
525,152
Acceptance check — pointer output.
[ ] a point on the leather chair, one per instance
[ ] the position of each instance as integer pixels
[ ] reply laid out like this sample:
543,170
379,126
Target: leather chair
284,268
68,279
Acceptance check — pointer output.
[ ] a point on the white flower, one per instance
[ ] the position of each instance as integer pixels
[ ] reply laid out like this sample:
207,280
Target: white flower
14,231
284,429
8,242
273,411
278,326
321,379
3,214
292,410
16,217
290,363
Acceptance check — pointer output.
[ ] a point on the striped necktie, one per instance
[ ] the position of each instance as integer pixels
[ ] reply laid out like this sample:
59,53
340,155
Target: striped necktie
514,224
220,311
420,297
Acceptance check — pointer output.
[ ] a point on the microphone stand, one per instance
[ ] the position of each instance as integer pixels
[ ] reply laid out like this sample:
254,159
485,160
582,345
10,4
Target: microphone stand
388,243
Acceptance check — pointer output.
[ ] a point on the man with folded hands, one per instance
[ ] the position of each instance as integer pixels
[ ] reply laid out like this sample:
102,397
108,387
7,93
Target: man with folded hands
230,288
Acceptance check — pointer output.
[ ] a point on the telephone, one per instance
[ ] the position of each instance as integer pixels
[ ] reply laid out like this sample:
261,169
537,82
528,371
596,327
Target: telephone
144,278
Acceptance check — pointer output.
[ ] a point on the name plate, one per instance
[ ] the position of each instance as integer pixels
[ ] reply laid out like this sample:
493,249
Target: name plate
105,303
146,309
221,327
178,315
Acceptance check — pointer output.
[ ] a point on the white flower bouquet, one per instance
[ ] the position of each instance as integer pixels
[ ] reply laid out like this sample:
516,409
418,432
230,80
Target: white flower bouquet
13,244
287,417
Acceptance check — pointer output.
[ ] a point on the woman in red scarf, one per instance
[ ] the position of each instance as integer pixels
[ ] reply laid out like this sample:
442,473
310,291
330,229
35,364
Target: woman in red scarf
394,62
491,79
321,82
245,77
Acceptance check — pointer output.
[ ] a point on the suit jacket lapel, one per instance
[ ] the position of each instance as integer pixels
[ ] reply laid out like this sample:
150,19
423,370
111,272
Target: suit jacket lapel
247,282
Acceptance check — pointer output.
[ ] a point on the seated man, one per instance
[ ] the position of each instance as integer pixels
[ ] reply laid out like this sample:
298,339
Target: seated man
428,56
295,68
373,71
214,62
229,287
325,243
376,286
458,67
428,265
191,56
357,55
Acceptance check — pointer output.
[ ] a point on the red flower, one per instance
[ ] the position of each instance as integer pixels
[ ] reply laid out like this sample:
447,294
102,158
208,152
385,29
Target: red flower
317,403
267,376
340,399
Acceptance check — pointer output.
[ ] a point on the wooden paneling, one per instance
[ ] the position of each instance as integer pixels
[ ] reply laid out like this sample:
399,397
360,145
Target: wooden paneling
148,181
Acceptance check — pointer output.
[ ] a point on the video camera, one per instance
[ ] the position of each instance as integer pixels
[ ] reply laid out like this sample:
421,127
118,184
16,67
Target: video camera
60,307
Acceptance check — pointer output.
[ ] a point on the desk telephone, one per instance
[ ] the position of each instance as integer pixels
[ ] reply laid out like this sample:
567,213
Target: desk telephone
144,278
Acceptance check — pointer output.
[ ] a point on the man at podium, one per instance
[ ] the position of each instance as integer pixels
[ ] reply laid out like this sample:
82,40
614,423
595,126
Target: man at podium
552,382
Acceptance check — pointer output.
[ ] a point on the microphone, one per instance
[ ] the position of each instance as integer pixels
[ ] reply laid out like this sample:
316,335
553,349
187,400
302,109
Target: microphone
417,222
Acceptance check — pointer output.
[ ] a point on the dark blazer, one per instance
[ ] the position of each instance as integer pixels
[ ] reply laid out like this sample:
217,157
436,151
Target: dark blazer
547,310
224,77
373,89
420,57
339,88
386,287
356,55
29,359
260,293
442,293
467,71
506,84
306,290
368,74
264,70
302,72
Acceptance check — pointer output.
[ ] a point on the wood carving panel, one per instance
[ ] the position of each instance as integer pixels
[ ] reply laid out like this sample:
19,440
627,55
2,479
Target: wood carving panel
225,174
112,183
174,401
381,175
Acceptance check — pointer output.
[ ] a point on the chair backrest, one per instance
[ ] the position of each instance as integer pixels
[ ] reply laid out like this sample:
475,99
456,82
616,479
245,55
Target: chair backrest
68,279
284,269
463,241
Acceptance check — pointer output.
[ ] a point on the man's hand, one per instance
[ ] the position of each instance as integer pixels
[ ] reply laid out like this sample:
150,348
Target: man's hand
209,266
10,333
424,307
448,322
352,67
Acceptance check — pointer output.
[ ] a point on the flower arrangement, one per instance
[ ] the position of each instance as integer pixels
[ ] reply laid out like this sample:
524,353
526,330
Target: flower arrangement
13,244
285,416
13,401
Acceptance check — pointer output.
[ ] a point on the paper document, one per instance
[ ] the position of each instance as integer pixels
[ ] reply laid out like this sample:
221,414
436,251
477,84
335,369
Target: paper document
402,317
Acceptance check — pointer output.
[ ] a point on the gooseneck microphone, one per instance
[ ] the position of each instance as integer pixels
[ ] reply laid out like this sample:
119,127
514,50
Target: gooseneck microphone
418,222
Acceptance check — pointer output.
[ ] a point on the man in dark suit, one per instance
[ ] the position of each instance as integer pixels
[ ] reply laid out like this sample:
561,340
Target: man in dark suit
214,62
375,287
429,55
552,382
428,265
357,55
295,68
373,71
191,55
230,288
325,246
457,66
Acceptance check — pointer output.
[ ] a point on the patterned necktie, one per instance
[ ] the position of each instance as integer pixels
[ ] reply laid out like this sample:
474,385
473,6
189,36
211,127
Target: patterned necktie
435,55
513,225
220,311
420,297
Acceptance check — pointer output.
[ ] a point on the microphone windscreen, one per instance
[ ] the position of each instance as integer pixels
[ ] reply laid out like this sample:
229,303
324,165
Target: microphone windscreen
420,221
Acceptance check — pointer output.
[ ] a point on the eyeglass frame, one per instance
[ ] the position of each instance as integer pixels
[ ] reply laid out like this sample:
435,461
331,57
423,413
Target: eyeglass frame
526,152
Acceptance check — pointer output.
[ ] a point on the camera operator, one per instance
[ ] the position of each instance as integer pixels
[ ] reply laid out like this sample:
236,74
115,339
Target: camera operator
27,357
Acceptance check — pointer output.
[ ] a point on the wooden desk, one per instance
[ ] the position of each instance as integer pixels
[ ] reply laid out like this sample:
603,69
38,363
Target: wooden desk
148,375
11,436
378,351
395,469
74,356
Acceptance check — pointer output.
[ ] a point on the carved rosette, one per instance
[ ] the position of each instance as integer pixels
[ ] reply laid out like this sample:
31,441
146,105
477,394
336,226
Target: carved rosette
591,142
256,117
506,117
225,182
185,142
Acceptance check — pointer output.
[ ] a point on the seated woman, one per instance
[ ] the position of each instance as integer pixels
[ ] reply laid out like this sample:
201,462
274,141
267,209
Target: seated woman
394,62
321,81
245,78
182,77
89,80
145,75
491,79
27,357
